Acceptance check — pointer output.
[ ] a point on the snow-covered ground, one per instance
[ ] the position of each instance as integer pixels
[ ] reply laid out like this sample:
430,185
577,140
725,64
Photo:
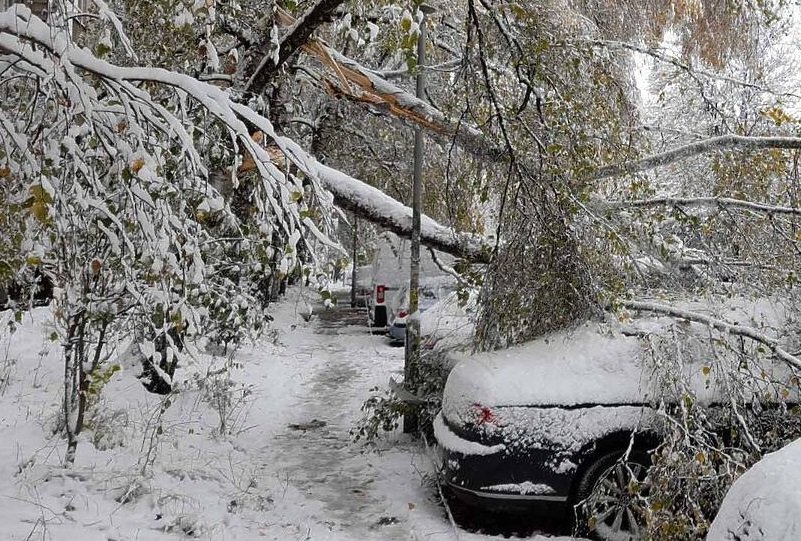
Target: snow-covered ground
283,468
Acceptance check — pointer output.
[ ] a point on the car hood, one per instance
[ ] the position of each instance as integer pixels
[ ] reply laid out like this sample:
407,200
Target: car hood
576,367
609,364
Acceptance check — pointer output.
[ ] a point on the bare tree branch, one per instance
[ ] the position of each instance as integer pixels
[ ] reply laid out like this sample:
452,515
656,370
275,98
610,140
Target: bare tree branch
719,324
658,54
720,202
724,142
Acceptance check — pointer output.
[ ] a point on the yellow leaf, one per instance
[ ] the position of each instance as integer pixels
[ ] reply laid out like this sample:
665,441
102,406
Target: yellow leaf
33,260
138,164
5,172
39,210
700,457
706,370
39,193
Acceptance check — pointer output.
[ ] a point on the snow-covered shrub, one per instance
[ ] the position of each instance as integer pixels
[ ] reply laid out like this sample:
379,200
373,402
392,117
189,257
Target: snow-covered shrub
124,190
227,397
108,427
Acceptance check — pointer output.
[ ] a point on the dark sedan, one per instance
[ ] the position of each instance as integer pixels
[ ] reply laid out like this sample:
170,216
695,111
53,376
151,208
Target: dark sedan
565,422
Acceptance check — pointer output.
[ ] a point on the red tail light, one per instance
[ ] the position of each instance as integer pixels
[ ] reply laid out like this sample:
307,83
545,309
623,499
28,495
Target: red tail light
379,294
483,415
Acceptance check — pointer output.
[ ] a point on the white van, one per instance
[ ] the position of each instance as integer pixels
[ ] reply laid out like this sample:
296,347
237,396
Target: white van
390,273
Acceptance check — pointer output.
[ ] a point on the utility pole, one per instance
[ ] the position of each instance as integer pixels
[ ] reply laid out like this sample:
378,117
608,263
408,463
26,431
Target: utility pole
412,350
353,270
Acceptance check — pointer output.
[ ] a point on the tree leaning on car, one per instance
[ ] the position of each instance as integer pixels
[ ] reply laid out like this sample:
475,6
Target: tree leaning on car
581,195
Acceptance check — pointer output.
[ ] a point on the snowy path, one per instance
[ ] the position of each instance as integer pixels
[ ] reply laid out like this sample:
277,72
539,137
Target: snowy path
341,483
283,469
315,453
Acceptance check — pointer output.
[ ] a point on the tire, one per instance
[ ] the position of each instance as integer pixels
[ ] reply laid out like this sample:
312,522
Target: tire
609,498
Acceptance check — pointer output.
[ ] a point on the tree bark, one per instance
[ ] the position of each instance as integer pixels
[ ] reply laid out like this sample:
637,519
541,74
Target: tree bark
262,66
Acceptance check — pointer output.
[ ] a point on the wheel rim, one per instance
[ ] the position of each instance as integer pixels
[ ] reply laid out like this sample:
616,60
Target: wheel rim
615,509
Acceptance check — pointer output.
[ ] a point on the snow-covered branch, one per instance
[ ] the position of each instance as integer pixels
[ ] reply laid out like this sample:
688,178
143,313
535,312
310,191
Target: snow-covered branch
719,324
720,202
19,29
371,203
724,142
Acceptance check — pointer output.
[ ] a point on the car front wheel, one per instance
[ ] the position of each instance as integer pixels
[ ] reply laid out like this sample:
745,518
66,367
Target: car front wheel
611,497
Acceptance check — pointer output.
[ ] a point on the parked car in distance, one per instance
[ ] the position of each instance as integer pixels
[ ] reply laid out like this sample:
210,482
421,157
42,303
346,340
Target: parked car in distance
446,319
568,421
363,284
396,330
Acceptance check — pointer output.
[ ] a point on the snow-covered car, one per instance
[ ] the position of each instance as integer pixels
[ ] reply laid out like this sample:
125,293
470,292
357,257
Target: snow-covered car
441,313
397,329
567,420
764,504
451,322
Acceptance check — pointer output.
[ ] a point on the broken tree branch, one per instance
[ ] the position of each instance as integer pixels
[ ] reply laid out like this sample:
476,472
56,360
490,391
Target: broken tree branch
362,85
262,65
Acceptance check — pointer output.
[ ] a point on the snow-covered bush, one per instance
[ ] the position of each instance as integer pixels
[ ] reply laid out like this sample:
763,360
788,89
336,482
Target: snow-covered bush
124,187
384,409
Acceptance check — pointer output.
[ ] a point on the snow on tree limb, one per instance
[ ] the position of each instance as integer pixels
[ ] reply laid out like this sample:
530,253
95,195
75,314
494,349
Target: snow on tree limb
724,142
19,29
371,203
719,324
720,202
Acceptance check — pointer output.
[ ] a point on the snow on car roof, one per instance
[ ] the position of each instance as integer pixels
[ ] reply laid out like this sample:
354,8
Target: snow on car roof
449,321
